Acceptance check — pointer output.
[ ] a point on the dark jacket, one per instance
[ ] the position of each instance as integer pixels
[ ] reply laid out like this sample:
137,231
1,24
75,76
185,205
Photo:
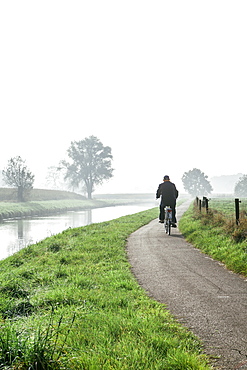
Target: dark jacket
168,192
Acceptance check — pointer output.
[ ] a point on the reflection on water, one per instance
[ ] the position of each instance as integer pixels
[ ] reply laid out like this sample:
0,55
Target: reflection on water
17,234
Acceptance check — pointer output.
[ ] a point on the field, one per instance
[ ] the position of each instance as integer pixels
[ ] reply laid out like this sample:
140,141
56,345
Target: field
217,234
227,205
71,302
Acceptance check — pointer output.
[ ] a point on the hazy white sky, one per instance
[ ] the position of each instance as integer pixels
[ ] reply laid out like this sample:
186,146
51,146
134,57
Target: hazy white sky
163,83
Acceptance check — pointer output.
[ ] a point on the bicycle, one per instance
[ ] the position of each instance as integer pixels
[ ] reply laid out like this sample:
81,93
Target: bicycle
168,220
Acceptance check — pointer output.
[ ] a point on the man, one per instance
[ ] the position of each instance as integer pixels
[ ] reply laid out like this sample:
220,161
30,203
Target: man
168,192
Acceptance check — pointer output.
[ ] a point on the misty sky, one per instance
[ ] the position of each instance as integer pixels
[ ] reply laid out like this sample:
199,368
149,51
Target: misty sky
163,83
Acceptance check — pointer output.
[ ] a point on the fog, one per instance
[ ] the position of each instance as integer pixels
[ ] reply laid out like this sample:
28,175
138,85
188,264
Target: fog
162,83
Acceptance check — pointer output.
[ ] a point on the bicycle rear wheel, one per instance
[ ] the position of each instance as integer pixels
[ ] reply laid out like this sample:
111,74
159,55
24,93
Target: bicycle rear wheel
166,226
169,227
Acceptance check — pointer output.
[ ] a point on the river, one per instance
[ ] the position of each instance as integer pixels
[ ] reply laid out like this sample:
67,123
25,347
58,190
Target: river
16,234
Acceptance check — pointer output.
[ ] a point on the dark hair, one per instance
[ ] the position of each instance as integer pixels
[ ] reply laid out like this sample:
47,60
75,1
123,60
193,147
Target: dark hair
166,177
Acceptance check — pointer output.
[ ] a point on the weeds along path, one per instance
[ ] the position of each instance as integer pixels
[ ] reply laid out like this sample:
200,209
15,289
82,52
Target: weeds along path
199,291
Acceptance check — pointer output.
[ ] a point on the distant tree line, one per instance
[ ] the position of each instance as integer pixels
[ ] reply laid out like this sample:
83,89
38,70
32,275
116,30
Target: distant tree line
196,183
89,164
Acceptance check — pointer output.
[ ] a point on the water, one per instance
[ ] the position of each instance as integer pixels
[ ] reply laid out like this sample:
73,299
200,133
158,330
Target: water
17,234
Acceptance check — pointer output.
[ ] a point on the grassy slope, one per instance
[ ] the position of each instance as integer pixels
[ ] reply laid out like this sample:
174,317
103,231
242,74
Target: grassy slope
8,210
43,202
211,234
85,272
10,195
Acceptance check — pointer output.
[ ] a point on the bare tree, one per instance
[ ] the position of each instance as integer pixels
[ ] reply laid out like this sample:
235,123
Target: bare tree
18,175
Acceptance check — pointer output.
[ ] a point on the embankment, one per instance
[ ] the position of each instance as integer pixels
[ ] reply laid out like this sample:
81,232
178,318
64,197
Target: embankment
46,202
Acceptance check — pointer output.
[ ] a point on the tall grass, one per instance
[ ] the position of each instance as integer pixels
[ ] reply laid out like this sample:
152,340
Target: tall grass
82,276
217,234
36,349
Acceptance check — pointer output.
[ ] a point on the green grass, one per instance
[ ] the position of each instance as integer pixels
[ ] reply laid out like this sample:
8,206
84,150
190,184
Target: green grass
10,195
71,302
37,208
44,202
217,234
227,205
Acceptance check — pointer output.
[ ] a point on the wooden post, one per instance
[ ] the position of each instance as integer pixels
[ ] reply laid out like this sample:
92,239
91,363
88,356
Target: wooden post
205,203
237,201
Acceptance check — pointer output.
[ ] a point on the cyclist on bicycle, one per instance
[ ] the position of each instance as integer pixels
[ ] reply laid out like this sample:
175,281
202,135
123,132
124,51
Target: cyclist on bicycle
168,192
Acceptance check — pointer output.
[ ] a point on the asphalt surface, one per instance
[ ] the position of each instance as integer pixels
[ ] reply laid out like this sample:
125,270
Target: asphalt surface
200,292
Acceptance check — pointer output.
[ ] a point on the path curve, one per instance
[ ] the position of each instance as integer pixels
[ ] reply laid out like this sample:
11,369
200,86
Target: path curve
199,291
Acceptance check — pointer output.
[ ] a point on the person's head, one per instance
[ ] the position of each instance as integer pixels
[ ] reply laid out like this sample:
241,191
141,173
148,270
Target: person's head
166,178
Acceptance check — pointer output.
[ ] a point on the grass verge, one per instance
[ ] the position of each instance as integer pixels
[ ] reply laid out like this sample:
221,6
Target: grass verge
71,302
40,208
217,235
46,202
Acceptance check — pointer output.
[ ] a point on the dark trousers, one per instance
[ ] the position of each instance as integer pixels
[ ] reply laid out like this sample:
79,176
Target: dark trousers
162,211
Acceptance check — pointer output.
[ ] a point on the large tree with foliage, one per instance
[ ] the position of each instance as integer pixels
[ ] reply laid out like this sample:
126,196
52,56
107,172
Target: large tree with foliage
241,187
195,182
17,174
89,165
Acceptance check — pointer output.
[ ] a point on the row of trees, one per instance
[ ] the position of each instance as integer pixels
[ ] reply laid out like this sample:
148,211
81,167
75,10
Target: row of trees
89,164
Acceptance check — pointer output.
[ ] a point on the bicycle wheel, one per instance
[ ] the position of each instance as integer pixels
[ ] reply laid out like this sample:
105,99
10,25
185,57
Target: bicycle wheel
166,226
169,227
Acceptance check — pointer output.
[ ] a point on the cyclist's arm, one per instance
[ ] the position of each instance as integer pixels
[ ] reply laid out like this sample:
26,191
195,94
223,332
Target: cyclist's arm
158,193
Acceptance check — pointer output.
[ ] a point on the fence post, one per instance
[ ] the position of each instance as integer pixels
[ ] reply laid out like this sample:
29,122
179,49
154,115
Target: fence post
237,201
205,203
200,205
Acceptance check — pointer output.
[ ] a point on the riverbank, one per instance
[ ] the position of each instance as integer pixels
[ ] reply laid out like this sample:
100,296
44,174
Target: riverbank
47,207
47,202
71,301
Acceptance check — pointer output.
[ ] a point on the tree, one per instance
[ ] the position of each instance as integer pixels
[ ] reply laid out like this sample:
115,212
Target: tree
18,175
90,163
241,187
195,183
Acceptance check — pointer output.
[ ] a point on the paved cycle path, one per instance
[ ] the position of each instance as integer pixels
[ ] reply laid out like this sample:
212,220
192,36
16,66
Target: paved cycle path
200,292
